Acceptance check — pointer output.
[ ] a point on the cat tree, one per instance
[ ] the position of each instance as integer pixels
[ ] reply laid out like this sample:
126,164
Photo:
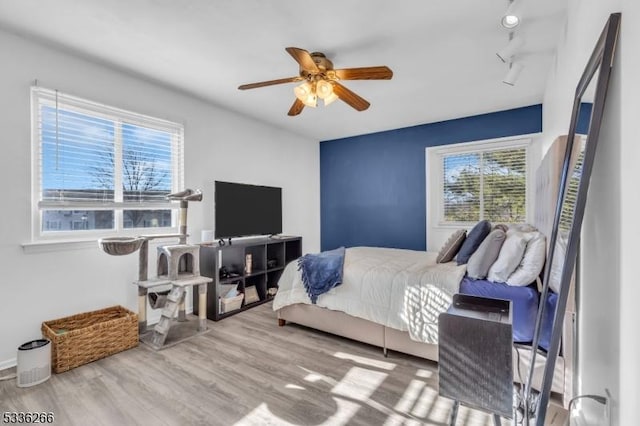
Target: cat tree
178,267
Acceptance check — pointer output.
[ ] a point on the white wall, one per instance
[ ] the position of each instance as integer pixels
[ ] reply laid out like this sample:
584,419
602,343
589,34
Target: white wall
629,367
609,347
36,287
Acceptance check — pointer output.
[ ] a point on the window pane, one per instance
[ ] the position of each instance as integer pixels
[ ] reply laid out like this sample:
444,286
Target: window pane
91,157
147,218
461,187
77,156
571,196
504,185
76,220
146,163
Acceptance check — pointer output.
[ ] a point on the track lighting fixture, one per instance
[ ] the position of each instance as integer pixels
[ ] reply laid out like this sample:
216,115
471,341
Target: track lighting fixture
511,48
511,17
515,68
510,20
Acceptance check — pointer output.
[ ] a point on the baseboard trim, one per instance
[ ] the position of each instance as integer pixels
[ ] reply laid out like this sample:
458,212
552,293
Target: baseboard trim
9,363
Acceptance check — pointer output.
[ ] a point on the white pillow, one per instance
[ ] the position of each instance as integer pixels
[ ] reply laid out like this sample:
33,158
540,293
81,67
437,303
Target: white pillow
555,275
510,256
522,227
532,261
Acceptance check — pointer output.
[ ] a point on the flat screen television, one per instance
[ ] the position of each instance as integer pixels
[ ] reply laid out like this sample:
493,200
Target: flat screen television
242,210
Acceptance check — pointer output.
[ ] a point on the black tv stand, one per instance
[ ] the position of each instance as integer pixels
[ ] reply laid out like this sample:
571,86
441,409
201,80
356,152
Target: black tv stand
269,258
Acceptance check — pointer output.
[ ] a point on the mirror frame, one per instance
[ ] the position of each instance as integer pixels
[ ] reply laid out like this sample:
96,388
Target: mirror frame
601,61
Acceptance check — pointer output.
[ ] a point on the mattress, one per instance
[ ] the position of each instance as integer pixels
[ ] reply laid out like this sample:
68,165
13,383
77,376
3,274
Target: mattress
524,302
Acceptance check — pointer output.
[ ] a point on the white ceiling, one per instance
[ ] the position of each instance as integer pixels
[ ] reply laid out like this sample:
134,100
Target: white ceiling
442,52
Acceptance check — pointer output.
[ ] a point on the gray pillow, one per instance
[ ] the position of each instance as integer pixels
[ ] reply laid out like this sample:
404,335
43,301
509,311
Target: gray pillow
480,261
451,247
510,256
502,226
475,237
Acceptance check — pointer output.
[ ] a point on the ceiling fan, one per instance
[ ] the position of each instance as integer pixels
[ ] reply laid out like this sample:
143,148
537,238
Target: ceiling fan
320,80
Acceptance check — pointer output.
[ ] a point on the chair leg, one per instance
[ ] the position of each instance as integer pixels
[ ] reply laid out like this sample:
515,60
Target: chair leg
454,413
496,420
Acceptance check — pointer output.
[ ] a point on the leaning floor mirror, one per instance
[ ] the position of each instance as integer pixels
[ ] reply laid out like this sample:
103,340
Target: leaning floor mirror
584,130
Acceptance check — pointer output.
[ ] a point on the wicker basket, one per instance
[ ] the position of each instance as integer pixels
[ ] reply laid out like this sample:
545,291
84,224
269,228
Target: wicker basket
231,303
83,338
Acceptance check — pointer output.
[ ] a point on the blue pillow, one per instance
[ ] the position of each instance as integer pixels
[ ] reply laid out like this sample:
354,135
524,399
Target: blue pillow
473,241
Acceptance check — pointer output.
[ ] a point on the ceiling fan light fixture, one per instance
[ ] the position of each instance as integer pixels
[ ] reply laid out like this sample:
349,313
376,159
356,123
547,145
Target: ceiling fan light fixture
319,79
330,99
311,100
306,94
324,89
302,91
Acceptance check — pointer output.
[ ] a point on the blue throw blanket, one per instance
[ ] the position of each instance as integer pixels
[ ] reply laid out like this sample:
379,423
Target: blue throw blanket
321,272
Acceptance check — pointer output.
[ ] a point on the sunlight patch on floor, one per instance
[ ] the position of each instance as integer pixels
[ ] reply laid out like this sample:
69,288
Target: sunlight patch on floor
366,361
425,403
397,420
359,383
313,376
261,415
410,396
419,403
292,386
425,374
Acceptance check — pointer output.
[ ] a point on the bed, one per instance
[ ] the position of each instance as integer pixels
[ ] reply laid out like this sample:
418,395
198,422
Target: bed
391,298
402,316
401,289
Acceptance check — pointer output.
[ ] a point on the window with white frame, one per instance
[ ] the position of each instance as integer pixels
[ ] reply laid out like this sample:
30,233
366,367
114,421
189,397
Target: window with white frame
479,181
100,170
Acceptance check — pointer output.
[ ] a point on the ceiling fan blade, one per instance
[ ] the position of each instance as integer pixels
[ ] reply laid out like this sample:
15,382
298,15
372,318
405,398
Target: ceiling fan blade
296,108
269,83
365,73
303,58
349,97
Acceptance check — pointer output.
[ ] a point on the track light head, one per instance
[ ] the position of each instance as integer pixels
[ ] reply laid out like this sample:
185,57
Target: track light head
510,49
515,68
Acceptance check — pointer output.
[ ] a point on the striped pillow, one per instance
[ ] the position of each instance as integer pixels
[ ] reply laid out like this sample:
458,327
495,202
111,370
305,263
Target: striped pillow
451,247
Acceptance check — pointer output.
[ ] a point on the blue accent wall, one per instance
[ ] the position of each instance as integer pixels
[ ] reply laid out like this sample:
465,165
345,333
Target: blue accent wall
372,187
584,118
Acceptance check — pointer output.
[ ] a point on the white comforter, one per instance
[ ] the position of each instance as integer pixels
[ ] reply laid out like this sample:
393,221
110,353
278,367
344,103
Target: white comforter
401,289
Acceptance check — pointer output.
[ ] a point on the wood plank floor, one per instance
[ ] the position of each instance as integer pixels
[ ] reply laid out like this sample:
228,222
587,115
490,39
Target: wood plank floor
246,371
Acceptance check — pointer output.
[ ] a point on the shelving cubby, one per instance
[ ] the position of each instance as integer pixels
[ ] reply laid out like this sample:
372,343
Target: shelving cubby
269,256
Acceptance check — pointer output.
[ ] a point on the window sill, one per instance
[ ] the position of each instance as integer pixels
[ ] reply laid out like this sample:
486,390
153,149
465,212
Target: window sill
47,246
459,225
58,245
